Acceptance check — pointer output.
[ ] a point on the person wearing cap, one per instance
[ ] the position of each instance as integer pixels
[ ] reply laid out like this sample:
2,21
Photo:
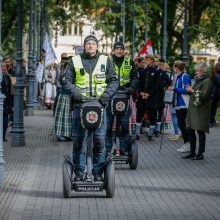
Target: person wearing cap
89,74
128,81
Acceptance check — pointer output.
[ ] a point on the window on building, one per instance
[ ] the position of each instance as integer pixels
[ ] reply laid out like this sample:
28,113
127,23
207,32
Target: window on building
76,29
69,29
80,28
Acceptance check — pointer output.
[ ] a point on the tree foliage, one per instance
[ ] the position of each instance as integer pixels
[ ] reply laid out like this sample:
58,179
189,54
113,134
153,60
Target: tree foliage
203,20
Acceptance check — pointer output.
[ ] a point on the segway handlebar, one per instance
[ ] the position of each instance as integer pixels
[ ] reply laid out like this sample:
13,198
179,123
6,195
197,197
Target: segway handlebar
88,99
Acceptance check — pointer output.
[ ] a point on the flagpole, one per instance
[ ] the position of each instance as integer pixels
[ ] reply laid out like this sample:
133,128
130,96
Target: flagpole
146,30
30,76
165,31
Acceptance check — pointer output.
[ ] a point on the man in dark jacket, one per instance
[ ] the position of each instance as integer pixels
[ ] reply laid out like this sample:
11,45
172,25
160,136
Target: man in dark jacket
6,90
89,74
165,82
215,94
149,84
128,81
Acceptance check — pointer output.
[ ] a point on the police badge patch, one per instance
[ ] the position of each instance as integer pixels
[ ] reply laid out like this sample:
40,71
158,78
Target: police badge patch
91,117
120,106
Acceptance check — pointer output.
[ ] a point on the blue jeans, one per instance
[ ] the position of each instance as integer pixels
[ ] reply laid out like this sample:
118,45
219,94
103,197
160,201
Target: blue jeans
80,143
124,130
175,126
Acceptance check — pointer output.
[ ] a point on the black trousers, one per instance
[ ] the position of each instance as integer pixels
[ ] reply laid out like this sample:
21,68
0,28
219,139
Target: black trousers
5,124
214,107
141,109
181,122
202,140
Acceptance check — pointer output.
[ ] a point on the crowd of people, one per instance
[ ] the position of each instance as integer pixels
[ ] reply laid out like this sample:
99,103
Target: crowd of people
144,81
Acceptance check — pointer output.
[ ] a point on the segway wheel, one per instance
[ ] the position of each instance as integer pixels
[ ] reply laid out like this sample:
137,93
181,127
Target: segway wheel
133,160
67,173
110,179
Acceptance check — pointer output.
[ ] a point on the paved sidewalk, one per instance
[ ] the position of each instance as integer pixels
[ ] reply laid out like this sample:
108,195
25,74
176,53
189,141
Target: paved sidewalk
163,187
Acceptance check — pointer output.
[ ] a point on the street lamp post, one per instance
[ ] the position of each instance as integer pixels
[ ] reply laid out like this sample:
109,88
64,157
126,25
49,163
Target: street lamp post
146,28
39,31
133,30
18,139
185,35
30,75
164,56
123,19
2,162
34,55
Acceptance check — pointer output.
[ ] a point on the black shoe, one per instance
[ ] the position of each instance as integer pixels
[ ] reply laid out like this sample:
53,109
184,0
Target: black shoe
188,156
78,178
150,138
215,125
98,177
157,134
69,139
137,137
198,157
124,153
61,138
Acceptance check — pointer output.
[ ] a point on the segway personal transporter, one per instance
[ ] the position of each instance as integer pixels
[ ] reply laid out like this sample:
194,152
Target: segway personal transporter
119,107
91,115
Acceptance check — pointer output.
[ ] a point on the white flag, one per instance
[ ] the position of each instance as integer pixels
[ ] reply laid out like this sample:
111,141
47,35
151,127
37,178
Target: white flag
50,56
39,72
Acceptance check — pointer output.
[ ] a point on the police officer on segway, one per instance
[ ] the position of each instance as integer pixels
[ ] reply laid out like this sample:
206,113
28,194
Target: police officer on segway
89,74
128,81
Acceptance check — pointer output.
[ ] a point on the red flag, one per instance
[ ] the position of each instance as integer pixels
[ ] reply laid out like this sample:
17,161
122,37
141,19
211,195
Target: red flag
147,49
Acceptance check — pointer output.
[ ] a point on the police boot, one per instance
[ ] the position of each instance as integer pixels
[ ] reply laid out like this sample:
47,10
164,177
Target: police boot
138,131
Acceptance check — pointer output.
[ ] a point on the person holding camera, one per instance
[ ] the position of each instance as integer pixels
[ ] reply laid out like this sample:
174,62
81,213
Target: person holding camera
89,74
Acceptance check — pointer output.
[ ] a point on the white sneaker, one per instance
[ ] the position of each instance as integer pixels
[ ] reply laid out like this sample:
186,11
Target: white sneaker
179,149
174,137
185,148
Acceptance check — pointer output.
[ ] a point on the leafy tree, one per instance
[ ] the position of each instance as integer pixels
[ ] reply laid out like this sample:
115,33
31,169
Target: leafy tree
204,21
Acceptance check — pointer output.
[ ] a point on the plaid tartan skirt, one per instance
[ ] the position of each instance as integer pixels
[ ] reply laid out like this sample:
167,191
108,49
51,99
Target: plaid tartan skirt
63,117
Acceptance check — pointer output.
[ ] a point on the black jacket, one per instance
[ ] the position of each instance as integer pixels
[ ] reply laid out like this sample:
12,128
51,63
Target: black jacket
216,85
150,83
89,64
6,90
165,82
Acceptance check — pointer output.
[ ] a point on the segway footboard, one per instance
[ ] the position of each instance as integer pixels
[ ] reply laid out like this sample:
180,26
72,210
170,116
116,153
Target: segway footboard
121,159
90,186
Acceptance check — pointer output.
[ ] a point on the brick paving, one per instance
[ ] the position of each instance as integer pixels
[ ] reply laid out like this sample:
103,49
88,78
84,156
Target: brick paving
163,187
